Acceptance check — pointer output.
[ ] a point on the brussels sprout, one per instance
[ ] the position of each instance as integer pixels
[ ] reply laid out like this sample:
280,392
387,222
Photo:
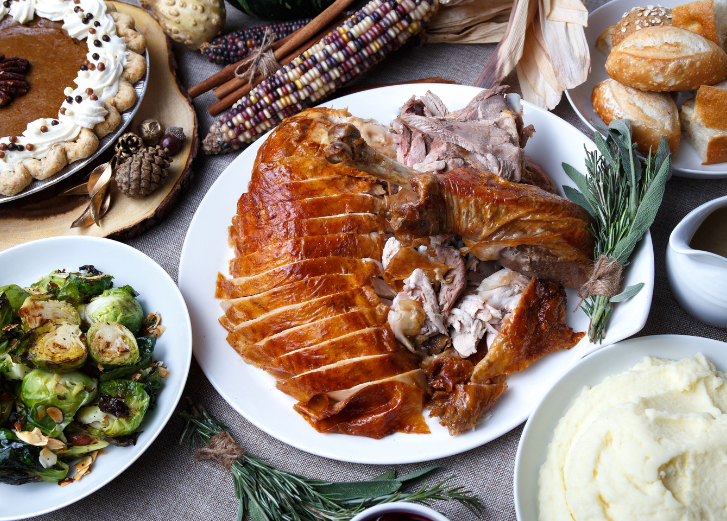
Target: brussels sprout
111,344
61,349
42,309
116,305
47,393
121,407
16,295
11,369
76,451
20,462
146,351
75,287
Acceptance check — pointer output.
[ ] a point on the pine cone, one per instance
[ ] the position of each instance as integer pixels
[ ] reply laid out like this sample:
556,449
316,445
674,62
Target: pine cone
128,145
144,172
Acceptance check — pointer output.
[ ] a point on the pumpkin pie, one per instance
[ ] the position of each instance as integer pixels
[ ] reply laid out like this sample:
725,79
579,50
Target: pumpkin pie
67,72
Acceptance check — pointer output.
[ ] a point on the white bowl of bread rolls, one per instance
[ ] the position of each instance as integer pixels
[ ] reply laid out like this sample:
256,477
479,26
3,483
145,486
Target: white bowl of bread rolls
663,67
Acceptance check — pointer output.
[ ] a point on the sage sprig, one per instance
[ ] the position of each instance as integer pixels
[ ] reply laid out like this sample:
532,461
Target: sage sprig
622,192
268,494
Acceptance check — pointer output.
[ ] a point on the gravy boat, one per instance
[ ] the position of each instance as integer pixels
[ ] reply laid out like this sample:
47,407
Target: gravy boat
698,278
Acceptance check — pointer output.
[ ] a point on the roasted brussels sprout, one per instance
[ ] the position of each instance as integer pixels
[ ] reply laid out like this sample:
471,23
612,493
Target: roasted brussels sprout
111,344
53,399
146,351
75,287
116,305
11,369
61,348
20,462
38,310
121,407
16,295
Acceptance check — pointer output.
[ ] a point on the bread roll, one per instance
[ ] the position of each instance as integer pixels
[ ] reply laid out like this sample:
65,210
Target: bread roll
697,17
604,43
652,114
711,105
710,144
639,18
665,59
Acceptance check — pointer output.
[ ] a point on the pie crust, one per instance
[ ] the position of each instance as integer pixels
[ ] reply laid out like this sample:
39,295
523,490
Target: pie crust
86,142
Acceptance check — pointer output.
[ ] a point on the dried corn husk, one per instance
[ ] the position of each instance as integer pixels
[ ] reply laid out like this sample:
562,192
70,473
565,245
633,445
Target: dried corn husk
469,21
546,44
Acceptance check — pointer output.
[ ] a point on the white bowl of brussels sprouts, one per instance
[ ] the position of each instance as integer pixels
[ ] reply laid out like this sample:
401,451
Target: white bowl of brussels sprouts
88,373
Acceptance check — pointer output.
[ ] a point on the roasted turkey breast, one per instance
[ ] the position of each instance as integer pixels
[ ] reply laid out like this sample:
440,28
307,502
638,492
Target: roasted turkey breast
306,297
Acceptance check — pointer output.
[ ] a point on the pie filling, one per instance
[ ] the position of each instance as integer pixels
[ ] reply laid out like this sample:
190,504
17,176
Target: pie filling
69,79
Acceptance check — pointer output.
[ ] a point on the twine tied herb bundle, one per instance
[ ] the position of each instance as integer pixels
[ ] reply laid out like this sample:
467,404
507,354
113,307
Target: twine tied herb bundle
622,192
268,494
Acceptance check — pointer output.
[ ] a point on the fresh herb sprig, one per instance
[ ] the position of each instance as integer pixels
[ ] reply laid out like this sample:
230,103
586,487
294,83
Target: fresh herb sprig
622,192
268,494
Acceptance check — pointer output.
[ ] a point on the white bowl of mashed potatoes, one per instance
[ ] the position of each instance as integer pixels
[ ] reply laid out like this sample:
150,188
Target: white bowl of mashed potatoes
636,431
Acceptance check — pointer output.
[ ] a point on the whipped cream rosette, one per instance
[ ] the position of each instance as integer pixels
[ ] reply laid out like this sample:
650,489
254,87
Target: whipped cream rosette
51,9
22,11
95,12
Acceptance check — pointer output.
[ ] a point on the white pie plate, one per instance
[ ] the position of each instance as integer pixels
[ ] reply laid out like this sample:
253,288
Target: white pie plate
686,161
24,265
252,392
533,447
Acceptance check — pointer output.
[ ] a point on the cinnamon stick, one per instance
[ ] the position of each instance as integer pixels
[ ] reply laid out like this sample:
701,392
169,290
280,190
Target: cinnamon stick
236,88
286,46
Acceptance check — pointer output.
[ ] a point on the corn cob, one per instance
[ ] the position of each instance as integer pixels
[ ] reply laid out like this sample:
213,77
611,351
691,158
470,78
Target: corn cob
362,40
233,47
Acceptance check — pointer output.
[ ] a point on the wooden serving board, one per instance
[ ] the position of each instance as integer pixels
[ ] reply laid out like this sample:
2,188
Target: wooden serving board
46,214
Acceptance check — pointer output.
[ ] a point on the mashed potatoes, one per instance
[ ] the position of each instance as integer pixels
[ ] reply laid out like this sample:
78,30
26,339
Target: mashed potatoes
649,443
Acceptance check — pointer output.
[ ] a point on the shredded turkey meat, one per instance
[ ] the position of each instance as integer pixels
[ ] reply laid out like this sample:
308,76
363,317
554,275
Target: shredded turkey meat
483,310
404,316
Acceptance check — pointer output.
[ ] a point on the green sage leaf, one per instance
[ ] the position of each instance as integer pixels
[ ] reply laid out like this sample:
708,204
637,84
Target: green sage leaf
581,182
627,293
645,215
359,490
417,475
575,196
389,474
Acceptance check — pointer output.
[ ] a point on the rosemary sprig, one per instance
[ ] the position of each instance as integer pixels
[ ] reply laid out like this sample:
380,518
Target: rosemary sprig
623,193
268,494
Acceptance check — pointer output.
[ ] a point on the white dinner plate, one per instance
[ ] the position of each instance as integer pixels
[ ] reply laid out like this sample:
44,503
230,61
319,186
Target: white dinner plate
590,371
252,392
24,265
685,161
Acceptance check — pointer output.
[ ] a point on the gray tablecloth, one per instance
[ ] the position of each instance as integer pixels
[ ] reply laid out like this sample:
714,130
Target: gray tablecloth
164,484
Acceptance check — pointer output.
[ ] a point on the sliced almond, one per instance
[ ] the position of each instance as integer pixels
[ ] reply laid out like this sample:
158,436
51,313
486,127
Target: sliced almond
60,389
57,376
55,413
65,482
34,437
163,371
55,444
47,458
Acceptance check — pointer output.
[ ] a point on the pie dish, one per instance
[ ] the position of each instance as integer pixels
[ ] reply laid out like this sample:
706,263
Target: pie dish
84,51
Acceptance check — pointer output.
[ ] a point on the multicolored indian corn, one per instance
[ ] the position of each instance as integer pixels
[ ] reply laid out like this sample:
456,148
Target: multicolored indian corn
362,40
233,47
